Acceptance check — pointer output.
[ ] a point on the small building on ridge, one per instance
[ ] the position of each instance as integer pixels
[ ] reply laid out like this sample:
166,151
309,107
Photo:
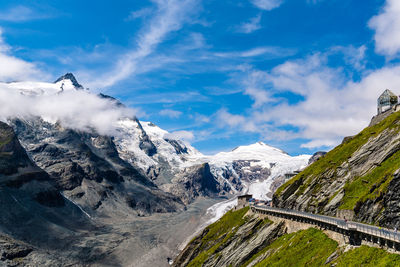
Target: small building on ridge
386,101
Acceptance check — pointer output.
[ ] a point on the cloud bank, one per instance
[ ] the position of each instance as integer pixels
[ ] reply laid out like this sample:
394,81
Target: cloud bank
15,69
267,4
387,29
75,109
330,103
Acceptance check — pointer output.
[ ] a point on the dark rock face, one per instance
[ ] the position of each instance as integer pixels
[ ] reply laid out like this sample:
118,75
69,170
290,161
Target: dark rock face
112,99
193,182
323,189
13,158
50,198
71,77
12,155
145,143
316,156
34,214
250,173
389,201
76,159
178,148
11,249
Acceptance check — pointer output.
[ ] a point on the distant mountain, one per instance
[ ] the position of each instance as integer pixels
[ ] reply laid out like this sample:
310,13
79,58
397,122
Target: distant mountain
69,78
76,178
359,180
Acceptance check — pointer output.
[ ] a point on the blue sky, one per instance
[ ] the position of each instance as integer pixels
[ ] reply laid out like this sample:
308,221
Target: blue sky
297,74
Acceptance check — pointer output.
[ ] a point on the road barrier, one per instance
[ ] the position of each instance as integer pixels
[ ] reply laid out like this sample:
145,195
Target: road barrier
355,230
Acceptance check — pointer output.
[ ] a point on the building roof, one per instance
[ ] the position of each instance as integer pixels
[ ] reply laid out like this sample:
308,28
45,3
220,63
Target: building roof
387,92
387,98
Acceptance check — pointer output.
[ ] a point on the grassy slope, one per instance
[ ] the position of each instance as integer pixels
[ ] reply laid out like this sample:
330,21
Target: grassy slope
218,233
359,189
304,248
312,247
309,247
367,256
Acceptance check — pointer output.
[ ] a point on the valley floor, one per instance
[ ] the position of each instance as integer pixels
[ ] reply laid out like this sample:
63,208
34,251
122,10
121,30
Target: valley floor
150,240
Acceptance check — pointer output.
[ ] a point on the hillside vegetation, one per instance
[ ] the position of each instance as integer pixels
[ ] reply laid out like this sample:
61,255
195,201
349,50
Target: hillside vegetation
243,239
357,175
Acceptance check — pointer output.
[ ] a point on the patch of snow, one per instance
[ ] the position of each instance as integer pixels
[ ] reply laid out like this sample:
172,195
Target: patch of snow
218,210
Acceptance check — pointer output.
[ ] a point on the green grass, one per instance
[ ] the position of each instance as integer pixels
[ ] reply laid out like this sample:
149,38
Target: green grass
334,158
312,247
309,247
218,233
372,185
368,256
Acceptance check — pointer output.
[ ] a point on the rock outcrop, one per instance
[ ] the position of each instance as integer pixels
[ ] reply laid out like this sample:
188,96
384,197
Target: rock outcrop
193,182
87,168
359,175
232,244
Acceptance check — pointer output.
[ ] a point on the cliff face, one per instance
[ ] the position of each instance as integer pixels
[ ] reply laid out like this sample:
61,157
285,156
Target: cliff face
359,176
87,168
359,179
241,238
231,241
35,217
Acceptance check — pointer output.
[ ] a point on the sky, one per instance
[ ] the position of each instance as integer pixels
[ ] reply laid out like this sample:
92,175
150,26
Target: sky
296,74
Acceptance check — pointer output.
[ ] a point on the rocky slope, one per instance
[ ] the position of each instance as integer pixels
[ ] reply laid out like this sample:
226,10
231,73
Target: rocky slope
35,217
115,186
241,238
87,169
158,171
358,178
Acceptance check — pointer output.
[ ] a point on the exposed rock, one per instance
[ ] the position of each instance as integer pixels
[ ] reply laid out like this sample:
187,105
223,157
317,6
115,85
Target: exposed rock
316,156
71,77
193,182
84,164
248,239
321,187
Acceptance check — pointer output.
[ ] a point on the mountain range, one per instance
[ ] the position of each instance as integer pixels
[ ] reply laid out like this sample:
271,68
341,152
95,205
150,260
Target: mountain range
357,181
65,179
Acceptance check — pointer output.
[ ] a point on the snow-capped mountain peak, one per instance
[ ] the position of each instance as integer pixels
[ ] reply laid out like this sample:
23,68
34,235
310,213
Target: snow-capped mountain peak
69,80
258,147
30,88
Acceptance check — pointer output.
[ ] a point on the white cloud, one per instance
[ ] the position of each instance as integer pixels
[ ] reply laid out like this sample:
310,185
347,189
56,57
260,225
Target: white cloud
15,69
255,83
224,118
20,14
174,114
75,109
229,119
169,17
267,4
180,135
271,51
141,13
387,29
251,26
331,105
354,56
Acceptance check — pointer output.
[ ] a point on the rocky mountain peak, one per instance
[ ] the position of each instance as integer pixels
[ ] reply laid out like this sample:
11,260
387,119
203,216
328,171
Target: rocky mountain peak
71,77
